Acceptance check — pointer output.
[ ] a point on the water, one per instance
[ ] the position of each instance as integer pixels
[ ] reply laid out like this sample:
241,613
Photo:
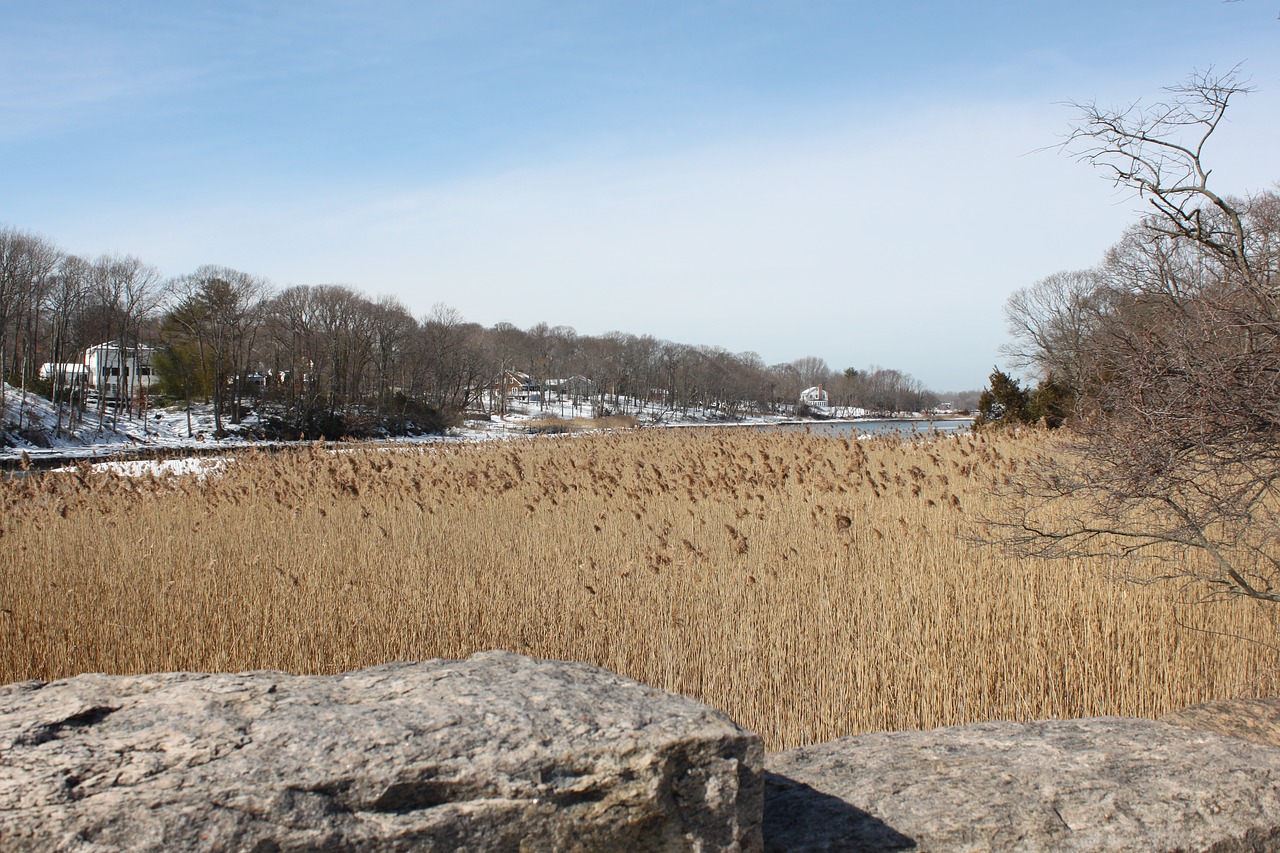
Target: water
905,428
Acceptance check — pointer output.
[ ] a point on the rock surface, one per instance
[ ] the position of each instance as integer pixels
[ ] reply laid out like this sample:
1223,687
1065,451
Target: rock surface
1105,783
1257,720
504,752
497,752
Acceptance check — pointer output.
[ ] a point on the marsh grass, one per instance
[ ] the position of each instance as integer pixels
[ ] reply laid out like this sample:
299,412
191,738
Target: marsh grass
551,425
810,586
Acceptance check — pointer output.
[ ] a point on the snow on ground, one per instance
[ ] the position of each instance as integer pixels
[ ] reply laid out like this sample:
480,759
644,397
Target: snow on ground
199,466
29,424
29,429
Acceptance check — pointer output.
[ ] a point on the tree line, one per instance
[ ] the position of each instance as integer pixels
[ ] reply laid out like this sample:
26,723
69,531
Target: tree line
328,359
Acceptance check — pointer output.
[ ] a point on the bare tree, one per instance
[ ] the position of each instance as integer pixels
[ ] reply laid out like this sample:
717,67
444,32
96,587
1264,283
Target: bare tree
42,258
451,355
343,317
1177,448
636,367
66,302
27,264
393,327
813,371
1051,322
785,385
294,347
1158,151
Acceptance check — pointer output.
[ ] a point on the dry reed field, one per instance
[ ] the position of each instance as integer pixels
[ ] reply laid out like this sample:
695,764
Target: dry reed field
812,587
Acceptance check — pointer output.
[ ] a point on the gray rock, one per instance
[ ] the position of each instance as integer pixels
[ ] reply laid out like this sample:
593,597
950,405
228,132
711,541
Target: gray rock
1257,720
1105,783
498,752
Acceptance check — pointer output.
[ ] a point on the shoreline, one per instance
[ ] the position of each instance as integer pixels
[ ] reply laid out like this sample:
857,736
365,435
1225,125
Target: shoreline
13,459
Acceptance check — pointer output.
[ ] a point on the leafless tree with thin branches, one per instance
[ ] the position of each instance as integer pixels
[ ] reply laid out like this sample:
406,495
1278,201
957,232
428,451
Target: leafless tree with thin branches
1176,444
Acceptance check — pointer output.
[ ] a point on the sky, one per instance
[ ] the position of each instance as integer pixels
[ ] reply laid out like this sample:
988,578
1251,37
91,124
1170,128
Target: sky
864,182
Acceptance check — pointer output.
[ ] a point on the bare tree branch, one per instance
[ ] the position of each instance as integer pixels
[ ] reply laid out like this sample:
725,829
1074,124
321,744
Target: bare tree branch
1175,447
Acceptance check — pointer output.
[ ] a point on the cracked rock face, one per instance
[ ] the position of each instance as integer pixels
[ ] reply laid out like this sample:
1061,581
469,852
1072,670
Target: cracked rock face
497,752
1105,783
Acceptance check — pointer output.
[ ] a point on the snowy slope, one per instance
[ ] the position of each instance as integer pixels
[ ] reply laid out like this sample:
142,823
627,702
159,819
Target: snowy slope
29,424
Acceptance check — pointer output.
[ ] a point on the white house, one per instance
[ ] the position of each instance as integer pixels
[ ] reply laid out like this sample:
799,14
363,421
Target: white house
815,398
68,374
110,375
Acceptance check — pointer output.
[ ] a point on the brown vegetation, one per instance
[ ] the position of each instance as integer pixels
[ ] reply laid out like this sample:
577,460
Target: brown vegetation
554,425
810,586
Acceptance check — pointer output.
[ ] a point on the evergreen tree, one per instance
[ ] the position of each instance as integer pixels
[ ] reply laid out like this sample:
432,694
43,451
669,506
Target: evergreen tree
1052,402
1004,401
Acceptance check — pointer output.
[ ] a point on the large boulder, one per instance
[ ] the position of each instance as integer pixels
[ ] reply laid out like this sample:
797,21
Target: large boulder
1105,783
1257,720
497,752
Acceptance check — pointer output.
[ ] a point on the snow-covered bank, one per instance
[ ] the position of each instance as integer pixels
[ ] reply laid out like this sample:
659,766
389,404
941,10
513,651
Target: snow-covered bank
30,426
30,429
198,466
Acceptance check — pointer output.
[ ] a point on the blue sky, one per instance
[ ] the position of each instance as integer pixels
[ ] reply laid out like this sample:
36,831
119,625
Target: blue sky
857,181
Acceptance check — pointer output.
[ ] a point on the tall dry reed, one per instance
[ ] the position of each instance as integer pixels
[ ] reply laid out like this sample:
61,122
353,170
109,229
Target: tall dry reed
810,586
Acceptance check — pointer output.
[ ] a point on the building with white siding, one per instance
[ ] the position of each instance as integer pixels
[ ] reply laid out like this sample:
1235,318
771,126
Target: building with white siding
116,377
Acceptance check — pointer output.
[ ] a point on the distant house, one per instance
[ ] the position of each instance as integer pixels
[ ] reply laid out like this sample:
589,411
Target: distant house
253,381
575,387
514,385
815,398
70,374
103,371
115,375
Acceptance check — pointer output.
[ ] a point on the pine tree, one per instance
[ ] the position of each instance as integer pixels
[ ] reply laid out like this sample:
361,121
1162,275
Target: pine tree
1004,401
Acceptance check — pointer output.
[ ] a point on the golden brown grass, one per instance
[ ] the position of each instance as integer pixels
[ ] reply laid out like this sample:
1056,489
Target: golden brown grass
812,587
554,424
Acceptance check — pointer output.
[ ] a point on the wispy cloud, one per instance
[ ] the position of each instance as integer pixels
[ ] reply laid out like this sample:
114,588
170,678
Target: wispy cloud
855,185
61,71
865,244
